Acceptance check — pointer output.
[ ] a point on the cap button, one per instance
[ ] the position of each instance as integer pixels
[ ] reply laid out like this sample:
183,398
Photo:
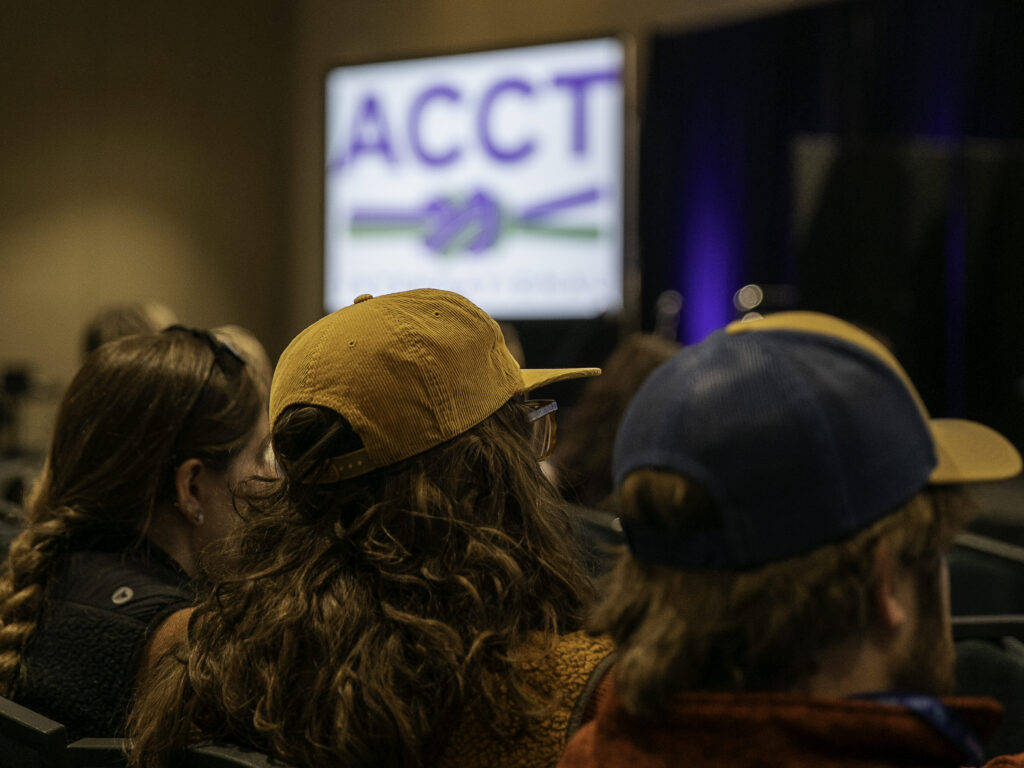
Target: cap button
362,297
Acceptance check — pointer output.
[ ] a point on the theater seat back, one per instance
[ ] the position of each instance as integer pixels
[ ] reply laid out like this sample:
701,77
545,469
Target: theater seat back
30,740
227,756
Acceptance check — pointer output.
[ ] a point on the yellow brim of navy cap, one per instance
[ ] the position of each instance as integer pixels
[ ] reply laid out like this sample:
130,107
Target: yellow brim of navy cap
967,452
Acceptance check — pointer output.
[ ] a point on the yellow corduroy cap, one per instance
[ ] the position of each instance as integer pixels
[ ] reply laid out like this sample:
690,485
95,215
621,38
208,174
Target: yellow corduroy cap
803,429
407,370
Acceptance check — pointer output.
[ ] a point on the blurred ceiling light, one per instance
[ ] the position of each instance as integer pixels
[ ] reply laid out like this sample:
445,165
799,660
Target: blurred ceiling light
748,297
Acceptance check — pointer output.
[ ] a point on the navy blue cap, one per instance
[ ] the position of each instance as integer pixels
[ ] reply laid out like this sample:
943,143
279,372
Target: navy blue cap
803,429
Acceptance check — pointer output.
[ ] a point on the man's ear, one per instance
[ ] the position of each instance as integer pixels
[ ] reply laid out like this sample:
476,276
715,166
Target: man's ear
891,595
187,490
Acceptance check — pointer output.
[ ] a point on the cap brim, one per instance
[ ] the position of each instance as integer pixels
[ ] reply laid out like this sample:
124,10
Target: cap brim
969,452
538,377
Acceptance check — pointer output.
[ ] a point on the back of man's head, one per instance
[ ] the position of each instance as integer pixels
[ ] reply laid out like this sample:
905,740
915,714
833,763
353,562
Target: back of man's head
787,501
115,321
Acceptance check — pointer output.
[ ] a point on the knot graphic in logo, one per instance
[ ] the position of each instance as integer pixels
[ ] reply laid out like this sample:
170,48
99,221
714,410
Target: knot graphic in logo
475,223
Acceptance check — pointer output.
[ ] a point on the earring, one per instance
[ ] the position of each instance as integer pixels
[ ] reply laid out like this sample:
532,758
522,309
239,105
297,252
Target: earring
198,518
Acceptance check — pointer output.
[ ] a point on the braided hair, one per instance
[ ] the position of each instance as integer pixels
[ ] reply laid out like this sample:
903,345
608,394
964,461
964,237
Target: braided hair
137,408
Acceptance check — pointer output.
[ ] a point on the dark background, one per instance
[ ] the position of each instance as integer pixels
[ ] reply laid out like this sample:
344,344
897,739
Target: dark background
860,158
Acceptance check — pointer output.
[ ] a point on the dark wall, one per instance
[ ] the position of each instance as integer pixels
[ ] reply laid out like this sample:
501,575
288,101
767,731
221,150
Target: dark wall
143,156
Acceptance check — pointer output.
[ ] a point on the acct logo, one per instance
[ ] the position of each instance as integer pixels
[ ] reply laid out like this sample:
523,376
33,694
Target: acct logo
474,223
495,174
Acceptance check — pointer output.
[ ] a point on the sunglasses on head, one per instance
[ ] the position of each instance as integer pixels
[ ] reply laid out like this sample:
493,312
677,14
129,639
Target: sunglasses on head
224,357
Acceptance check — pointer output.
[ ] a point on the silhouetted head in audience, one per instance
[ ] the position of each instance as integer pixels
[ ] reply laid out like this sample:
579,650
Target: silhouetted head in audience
583,458
118,320
151,435
405,564
788,503
513,342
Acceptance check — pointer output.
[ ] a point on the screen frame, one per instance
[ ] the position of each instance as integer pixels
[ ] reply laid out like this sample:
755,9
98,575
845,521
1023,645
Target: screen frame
628,317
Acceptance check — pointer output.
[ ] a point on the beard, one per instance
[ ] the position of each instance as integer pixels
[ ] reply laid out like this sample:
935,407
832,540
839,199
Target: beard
927,664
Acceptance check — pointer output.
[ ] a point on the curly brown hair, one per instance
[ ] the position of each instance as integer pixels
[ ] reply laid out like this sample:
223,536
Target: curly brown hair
139,406
354,622
758,630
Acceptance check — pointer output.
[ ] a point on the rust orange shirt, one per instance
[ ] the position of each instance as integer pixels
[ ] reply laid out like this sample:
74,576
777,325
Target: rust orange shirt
776,729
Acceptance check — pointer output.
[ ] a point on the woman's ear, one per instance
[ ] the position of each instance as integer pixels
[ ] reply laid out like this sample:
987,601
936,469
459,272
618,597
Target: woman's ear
187,490
893,590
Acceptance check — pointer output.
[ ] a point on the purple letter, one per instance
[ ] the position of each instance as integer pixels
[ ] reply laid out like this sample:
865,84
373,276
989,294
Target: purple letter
370,118
449,94
483,121
577,85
